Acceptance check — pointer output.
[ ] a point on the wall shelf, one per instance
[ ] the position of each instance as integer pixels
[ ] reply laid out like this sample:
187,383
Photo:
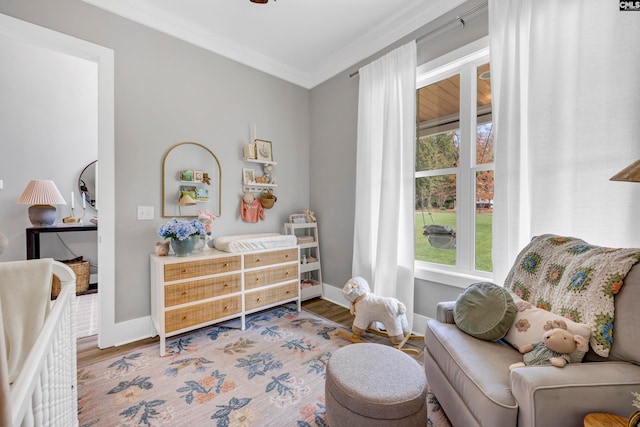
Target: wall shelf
256,187
262,162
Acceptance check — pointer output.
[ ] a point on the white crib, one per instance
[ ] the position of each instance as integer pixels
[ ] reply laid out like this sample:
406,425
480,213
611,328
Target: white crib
45,391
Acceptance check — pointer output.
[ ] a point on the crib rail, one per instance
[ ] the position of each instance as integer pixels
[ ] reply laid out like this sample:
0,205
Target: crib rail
45,392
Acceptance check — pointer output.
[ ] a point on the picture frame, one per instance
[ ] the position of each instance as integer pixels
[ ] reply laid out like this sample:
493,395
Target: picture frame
202,194
189,190
186,175
297,218
250,151
248,176
264,151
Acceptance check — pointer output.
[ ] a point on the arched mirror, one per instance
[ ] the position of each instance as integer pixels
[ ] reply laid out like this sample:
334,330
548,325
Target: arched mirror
87,185
191,181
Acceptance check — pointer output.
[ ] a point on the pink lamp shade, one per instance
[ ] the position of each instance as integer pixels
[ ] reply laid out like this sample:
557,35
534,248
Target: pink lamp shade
41,195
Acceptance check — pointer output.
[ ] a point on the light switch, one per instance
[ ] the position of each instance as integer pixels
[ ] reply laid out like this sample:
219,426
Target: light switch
1,184
145,213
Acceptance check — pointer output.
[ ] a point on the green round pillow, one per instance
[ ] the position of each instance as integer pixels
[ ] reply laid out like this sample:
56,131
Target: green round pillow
485,311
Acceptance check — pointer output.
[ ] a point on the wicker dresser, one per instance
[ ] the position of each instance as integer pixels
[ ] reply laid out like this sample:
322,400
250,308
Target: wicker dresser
191,292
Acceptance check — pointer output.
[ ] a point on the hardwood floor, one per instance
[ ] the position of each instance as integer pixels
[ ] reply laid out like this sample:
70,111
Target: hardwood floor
88,350
342,316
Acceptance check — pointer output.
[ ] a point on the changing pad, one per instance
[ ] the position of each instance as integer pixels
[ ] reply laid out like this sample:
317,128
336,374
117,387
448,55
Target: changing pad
252,242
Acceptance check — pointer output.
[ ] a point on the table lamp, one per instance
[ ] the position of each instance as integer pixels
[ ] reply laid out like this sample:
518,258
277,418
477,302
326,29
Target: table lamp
41,194
185,200
630,174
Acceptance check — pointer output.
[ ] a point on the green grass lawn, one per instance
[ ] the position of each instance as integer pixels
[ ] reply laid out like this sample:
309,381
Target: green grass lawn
425,252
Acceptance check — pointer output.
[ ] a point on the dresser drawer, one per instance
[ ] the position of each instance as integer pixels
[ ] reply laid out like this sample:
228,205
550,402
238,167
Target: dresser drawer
269,258
189,269
269,296
201,313
257,278
185,292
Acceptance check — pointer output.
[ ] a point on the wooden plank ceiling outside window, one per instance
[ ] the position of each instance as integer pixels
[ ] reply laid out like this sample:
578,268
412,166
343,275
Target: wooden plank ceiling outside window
439,103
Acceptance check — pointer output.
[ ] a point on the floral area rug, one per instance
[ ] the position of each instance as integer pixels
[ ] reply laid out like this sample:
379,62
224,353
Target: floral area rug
437,417
271,374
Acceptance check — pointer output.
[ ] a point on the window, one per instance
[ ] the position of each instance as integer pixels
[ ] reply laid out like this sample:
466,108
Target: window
454,165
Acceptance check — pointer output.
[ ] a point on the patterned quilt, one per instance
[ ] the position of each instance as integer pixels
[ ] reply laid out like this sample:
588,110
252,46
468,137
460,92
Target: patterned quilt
574,279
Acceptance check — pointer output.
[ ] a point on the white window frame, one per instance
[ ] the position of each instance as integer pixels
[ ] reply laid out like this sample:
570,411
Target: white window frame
463,61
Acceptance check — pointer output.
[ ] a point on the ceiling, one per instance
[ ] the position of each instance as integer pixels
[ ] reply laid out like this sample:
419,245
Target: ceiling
304,42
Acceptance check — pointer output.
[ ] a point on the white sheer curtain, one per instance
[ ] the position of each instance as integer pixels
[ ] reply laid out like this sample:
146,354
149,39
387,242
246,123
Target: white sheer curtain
383,251
566,103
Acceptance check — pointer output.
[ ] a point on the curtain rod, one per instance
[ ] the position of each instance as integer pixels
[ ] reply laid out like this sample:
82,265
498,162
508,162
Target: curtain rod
459,18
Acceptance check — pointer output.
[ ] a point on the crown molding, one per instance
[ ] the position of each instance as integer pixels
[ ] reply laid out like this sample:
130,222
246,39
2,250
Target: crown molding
372,42
368,44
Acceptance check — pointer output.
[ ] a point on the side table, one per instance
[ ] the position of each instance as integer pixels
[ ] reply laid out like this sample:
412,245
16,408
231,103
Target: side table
599,419
33,243
33,236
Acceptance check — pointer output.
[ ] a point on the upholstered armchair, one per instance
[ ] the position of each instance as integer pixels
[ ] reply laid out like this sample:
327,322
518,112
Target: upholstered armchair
471,376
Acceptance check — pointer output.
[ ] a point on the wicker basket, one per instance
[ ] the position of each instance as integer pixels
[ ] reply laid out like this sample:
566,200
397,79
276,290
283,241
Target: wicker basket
301,240
81,268
268,199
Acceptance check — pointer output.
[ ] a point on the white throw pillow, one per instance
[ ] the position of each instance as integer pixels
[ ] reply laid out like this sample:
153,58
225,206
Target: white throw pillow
532,322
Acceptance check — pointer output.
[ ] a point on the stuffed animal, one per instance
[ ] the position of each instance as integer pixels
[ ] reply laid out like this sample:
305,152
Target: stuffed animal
311,217
554,349
369,308
267,169
205,178
248,198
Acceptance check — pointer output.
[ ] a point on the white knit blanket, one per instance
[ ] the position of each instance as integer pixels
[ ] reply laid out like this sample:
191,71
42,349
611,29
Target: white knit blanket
25,295
574,279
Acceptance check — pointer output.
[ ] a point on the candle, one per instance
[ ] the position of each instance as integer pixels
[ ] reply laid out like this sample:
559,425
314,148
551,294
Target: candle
84,200
73,204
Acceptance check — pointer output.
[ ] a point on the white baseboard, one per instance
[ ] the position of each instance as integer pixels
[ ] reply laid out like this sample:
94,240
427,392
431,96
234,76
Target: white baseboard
127,332
334,295
419,323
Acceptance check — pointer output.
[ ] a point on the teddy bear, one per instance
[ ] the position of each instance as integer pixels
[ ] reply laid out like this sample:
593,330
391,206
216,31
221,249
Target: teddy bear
369,308
554,349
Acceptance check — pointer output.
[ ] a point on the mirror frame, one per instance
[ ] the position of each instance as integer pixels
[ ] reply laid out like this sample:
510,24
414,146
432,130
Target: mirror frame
82,183
164,175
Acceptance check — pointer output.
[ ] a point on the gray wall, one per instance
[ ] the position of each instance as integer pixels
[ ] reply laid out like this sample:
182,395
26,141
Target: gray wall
334,106
168,91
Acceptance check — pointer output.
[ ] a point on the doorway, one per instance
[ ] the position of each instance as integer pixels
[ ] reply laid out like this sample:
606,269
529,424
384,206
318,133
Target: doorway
38,36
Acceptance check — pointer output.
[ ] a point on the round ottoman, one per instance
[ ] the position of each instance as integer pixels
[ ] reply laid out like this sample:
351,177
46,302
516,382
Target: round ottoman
375,385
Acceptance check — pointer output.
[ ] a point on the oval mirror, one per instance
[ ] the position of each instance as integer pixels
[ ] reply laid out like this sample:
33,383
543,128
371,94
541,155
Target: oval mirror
87,185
